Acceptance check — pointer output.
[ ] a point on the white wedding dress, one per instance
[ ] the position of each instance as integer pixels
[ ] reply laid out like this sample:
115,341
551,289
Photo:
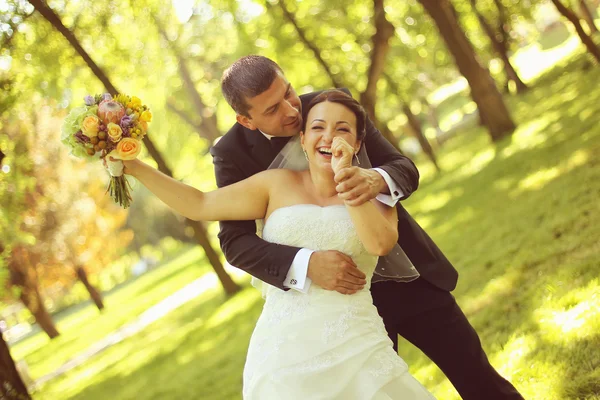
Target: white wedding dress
323,345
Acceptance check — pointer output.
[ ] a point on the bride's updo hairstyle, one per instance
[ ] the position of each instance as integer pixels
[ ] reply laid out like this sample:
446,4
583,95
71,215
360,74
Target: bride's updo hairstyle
337,96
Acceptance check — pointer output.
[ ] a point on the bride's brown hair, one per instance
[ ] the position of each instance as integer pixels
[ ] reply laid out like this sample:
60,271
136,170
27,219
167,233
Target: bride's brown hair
337,96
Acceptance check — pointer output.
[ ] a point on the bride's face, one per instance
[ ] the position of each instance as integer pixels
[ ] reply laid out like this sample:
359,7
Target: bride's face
324,122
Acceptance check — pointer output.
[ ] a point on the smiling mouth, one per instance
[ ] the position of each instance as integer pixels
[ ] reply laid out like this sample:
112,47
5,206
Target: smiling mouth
324,151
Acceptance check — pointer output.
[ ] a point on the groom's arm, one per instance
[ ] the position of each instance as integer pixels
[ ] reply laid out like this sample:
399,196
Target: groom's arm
391,164
266,261
393,178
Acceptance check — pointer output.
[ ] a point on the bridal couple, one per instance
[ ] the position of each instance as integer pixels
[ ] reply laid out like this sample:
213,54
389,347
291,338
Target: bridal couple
337,252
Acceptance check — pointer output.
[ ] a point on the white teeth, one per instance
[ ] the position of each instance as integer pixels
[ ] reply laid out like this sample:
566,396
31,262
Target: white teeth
324,151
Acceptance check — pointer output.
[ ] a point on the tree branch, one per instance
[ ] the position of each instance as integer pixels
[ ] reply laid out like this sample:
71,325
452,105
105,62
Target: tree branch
316,52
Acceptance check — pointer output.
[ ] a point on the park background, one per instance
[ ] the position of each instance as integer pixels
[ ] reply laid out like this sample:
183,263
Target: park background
496,101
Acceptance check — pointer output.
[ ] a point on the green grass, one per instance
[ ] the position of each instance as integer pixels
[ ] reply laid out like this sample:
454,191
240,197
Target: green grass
87,325
520,221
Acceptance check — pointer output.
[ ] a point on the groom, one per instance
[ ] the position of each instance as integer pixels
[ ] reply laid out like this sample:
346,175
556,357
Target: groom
423,311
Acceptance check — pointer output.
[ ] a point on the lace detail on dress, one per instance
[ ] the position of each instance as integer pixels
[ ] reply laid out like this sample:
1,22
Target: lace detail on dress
283,309
388,363
319,363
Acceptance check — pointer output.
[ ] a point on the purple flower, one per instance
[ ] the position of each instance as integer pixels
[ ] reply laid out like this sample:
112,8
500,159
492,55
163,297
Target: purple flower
81,137
125,121
89,100
106,96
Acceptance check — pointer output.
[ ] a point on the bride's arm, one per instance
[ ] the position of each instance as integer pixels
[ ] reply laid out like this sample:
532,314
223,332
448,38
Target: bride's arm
376,225
245,200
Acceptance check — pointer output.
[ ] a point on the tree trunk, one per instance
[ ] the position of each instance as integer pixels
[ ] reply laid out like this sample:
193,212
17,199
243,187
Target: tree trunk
94,293
11,384
229,285
492,109
501,50
31,298
585,38
433,119
315,50
384,31
417,131
208,127
588,16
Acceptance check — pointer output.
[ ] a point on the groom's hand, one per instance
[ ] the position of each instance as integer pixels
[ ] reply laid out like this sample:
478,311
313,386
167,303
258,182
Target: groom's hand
333,270
357,185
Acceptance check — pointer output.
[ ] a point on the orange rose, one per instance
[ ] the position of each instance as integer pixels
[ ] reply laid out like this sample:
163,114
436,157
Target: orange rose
127,149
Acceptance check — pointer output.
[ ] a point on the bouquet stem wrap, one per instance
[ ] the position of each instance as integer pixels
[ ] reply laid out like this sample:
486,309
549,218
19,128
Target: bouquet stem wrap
118,186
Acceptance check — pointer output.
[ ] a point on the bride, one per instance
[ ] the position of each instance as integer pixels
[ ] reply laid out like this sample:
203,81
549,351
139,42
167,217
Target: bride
323,344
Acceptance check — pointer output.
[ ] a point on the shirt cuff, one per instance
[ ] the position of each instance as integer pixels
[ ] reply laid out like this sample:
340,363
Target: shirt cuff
296,277
396,194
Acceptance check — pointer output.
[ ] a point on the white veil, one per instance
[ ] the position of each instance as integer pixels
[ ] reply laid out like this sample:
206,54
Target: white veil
395,266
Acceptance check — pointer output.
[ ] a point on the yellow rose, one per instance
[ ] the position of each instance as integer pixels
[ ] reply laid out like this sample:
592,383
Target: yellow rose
136,102
146,116
143,126
90,126
127,149
114,132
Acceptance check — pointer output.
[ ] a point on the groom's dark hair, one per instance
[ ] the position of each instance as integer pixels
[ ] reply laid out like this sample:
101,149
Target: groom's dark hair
246,78
337,96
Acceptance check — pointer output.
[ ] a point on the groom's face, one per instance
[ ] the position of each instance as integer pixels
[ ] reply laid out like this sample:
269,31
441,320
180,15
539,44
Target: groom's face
276,112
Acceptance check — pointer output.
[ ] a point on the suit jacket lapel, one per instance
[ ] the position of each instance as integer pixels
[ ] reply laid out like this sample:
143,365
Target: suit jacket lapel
261,150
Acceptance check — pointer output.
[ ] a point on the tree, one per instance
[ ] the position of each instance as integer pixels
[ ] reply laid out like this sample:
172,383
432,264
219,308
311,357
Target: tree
573,19
384,31
588,16
207,128
492,109
377,61
413,123
499,44
200,235
11,384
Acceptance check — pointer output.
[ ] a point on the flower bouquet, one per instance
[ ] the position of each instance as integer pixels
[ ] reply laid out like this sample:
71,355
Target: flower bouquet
106,127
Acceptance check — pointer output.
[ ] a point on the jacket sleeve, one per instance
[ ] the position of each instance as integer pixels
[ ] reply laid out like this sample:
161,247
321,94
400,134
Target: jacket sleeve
243,249
383,155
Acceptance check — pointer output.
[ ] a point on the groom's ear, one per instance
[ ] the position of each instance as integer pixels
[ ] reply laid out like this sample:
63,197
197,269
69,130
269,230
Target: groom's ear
245,121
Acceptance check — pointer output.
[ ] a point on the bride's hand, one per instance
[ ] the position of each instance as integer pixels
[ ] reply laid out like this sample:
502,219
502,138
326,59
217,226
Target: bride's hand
341,154
129,166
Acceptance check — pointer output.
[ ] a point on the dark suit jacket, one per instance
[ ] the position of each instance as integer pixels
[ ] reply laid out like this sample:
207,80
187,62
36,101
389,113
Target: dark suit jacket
241,153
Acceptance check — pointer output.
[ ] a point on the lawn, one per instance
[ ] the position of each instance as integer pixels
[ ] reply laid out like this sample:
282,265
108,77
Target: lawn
520,221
